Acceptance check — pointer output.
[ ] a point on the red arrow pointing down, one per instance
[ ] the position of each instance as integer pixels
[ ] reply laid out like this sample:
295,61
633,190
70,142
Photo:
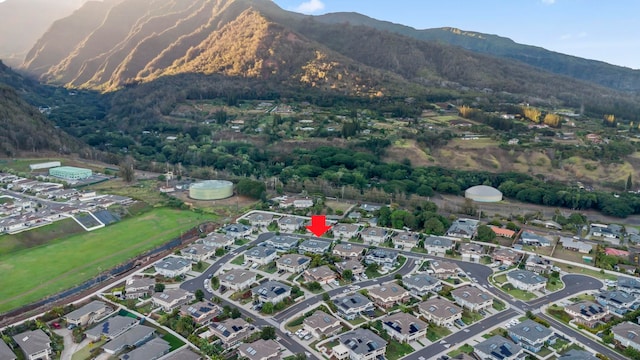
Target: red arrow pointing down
318,225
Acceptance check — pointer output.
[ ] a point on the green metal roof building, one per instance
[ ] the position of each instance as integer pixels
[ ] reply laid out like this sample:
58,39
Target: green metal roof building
70,172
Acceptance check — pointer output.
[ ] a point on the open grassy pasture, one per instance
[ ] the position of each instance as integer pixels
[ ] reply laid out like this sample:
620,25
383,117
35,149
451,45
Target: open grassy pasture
32,274
38,236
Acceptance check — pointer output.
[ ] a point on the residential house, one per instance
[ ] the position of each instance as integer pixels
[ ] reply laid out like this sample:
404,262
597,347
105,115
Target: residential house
293,263
472,298
587,313
629,285
363,344
629,269
405,239
421,284
217,240
88,314
261,255
290,223
134,337
502,232
389,294
271,291
444,269
171,299
533,239
237,230
355,266
173,266
617,302
322,324
497,348
237,279
6,353
184,353
314,246
202,312
440,311
152,350
348,251
282,243
577,355
611,233
322,274
531,335
526,280
506,256
382,257
627,334
353,305
111,327
438,245
538,264
374,235
34,344
575,245
471,252
260,219
463,228
345,231
370,207
404,327
198,252
139,286
231,331
260,350
549,224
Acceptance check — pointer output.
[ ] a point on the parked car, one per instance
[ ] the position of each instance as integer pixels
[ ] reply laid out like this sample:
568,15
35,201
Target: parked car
460,322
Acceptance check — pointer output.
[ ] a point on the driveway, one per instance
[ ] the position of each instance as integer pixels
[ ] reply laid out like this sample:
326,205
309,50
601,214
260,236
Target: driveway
70,347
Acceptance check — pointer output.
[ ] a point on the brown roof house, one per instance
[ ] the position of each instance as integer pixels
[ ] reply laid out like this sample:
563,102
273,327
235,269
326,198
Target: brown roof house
322,324
260,350
389,294
322,274
587,313
440,311
231,331
404,327
472,298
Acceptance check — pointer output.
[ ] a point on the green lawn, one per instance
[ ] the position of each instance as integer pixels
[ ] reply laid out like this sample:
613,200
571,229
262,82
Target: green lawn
271,267
466,348
499,305
580,270
435,332
558,284
85,352
396,350
469,317
32,274
239,260
38,236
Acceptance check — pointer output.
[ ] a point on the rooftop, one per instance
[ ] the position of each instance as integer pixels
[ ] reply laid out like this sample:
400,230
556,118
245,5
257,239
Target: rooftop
362,341
440,308
403,323
527,277
530,330
498,347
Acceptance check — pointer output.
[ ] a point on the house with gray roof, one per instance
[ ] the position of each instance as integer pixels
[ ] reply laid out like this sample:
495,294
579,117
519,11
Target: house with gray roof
472,298
404,327
538,264
345,231
629,285
261,255
353,305
184,353
237,279
293,263
471,251
498,348
382,257
610,233
202,312
171,299
152,350
421,284
197,252
438,245
374,235
463,228
34,345
260,350
5,352
506,256
363,344
111,327
88,314
322,324
587,313
271,291
533,239
237,230
440,311
134,337
321,274
577,355
531,335
139,286
355,266
260,219
526,280
617,302
348,251
290,223
444,269
217,240
575,245
388,294
405,239
173,266
370,207
627,334
314,246
282,243
231,331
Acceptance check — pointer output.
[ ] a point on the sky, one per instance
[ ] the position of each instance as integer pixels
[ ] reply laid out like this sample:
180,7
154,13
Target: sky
594,29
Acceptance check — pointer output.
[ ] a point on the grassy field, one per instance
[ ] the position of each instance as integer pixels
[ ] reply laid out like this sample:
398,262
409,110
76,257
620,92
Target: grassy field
38,236
32,274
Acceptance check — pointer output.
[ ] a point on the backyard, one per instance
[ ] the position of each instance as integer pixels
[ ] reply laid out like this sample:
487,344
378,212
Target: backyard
35,273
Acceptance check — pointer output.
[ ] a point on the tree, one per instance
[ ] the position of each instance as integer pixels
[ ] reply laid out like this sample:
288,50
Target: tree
552,120
267,308
629,184
268,333
235,313
199,294
127,171
434,226
215,283
465,111
251,188
531,113
326,296
485,234
347,274
158,287
373,267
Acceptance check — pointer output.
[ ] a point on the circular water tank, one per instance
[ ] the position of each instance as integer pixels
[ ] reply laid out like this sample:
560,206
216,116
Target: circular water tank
483,193
211,190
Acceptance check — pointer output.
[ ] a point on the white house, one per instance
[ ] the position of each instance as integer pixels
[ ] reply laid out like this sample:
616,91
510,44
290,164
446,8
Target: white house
173,266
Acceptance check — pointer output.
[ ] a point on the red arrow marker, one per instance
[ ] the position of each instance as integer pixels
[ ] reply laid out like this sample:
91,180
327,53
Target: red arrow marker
318,225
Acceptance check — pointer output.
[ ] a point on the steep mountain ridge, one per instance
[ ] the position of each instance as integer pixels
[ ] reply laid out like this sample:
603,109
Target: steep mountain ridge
597,72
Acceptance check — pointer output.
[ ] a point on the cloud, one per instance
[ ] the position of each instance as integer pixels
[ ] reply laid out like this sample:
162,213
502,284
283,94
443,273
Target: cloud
570,36
310,7
549,2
